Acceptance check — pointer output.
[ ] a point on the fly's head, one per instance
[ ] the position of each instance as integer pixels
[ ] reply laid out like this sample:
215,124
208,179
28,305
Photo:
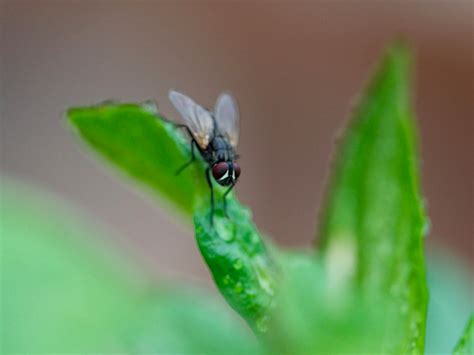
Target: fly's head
226,173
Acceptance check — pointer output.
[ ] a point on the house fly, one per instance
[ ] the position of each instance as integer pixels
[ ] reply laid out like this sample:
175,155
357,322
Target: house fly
215,135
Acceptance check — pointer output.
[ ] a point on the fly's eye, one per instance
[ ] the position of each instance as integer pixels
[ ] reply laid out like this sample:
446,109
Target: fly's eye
220,170
236,169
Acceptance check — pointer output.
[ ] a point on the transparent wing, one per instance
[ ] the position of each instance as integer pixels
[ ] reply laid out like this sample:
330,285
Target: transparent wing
198,119
227,117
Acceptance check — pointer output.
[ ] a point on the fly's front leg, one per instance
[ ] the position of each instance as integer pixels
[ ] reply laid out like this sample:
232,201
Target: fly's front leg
209,182
224,199
193,157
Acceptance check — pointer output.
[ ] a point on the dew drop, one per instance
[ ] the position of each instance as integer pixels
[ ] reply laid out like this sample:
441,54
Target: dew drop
224,229
238,287
226,279
238,264
255,239
262,324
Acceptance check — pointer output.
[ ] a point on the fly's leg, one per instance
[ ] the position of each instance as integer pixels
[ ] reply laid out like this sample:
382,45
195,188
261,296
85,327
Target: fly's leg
180,125
224,199
193,157
209,182
176,125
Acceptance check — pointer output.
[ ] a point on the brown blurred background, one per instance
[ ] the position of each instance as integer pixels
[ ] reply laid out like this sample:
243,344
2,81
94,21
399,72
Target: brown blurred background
295,68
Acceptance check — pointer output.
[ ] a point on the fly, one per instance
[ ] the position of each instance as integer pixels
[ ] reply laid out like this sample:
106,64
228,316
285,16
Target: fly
215,135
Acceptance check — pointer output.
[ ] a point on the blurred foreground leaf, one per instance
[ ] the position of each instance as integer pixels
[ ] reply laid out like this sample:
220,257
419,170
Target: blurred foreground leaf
310,319
465,345
374,223
451,288
187,321
63,292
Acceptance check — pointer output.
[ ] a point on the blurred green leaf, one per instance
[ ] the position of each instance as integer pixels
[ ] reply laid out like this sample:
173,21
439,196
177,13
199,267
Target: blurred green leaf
187,321
465,345
310,318
451,288
374,223
145,147
239,261
62,289
151,150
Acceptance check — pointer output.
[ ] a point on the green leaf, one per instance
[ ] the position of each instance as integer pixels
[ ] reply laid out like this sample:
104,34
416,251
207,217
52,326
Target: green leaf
451,287
373,224
63,289
143,146
309,318
465,345
187,321
151,150
239,261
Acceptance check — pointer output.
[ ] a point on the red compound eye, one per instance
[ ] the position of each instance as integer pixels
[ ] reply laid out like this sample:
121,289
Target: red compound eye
236,169
220,170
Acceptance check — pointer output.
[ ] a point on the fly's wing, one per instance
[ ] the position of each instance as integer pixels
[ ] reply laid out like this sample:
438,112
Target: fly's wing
227,118
198,119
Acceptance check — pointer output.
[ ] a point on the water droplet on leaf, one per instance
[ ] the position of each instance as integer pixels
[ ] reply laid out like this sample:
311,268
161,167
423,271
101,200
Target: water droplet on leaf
238,264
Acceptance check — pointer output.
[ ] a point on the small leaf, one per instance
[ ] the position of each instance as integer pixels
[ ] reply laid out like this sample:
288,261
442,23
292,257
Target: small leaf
374,223
145,147
238,259
465,345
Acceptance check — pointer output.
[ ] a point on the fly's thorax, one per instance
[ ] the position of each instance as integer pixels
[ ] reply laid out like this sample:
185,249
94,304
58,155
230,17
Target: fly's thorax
221,150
